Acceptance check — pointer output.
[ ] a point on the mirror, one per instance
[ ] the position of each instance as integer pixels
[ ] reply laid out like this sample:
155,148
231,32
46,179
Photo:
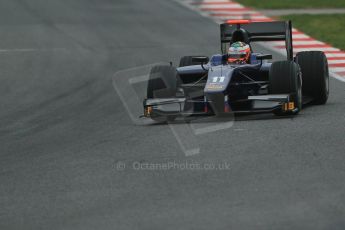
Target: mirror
264,57
200,59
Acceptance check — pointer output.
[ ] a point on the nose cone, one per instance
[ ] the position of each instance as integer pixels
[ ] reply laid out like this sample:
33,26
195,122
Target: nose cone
218,79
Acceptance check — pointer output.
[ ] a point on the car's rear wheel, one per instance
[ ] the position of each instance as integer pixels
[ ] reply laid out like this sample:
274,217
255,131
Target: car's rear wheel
284,78
188,61
162,84
315,75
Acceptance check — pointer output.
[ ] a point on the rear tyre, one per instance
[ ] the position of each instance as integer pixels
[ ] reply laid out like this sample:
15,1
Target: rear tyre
315,75
284,78
188,61
162,84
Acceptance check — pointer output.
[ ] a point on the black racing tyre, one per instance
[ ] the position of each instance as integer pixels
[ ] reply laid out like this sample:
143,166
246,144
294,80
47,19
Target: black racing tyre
187,61
284,78
315,75
162,84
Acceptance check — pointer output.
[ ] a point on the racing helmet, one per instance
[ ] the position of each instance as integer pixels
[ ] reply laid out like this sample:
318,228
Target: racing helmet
239,53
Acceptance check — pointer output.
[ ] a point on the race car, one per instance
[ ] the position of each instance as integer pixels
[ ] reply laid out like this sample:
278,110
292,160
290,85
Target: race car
239,80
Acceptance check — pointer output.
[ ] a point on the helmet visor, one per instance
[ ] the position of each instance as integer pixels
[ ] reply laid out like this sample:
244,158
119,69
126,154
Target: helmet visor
237,55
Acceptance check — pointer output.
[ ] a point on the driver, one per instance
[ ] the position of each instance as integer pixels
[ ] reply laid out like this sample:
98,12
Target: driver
239,53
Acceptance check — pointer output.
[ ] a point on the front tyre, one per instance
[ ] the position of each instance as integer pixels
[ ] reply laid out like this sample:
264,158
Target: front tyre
284,78
315,75
188,61
162,84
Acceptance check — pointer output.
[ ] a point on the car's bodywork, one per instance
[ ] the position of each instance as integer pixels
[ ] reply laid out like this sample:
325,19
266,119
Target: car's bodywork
217,87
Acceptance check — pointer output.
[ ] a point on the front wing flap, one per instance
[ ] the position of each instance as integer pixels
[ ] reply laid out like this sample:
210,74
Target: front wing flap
176,106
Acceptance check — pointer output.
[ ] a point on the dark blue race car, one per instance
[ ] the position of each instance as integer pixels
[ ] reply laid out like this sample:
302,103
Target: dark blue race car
215,86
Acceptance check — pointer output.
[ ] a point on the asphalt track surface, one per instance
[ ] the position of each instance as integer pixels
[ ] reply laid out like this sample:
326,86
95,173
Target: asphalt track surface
63,127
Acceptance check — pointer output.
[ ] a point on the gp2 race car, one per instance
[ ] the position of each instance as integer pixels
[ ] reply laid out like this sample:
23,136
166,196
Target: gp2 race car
203,86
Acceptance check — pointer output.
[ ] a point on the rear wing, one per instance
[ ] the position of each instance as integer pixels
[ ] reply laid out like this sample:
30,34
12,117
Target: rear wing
257,31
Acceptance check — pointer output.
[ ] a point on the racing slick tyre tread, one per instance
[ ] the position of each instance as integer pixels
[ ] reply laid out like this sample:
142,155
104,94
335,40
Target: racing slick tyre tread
187,61
162,84
284,78
315,75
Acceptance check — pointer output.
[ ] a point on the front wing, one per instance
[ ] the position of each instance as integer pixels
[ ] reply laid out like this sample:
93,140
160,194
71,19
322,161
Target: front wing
178,106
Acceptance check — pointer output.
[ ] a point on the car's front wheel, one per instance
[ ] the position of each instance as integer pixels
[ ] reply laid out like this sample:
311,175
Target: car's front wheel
162,84
188,61
284,78
315,75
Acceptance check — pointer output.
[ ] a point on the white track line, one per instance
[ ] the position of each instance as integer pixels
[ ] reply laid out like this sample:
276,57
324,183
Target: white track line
241,17
216,8
16,50
294,36
281,43
337,69
336,61
234,13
